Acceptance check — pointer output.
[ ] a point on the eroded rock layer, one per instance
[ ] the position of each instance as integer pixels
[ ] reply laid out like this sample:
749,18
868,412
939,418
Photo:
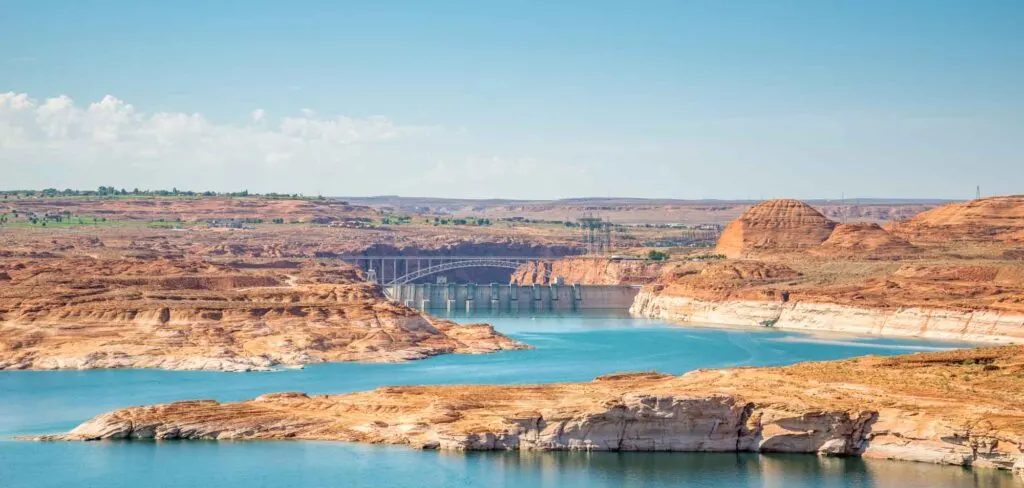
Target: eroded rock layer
959,407
773,226
588,270
864,279
990,326
927,299
865,240
983,220
81,312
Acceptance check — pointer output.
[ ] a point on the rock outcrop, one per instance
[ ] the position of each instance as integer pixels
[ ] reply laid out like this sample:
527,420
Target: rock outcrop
959,407
989,326
589,271
938,300
775,226
880,284
999,219
865,240
82,313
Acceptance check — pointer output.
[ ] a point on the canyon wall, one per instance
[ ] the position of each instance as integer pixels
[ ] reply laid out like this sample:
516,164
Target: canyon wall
944,274
990,326
590,271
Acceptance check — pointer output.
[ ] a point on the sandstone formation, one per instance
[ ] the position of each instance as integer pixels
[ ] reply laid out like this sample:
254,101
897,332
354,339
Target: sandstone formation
82,312
925,299
590,271
861,279
990,326
774,226
865,240
984,220
959,407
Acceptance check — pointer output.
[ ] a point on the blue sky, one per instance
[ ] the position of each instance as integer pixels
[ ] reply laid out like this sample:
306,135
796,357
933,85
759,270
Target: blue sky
681,99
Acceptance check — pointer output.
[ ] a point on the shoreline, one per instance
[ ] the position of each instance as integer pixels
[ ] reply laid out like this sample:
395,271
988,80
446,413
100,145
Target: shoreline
981,327
952,407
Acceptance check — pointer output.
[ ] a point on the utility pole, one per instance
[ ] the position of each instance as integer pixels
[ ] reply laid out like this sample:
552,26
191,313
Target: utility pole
842,206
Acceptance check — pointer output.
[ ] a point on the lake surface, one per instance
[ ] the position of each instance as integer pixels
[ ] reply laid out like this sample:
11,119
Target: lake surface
570,347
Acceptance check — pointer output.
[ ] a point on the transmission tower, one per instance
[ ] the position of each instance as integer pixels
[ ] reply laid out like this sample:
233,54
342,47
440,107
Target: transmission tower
596,234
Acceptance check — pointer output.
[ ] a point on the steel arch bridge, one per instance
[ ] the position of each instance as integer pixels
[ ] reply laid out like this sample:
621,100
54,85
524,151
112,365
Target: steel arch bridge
393,274
472,263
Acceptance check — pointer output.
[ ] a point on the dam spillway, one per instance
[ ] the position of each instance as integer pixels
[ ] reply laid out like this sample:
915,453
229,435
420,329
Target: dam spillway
495,296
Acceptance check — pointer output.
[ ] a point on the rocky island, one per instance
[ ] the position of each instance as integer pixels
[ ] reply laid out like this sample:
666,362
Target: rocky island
957,407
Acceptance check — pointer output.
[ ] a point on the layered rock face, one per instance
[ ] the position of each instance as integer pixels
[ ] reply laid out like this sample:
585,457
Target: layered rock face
983,220
861,279
773,226
958,407
590,271
79,313
991,326
928,300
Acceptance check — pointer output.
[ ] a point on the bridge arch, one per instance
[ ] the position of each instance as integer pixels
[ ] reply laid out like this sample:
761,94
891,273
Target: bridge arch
496,262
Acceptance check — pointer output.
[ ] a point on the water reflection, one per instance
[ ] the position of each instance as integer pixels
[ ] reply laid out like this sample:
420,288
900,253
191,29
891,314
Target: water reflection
718,470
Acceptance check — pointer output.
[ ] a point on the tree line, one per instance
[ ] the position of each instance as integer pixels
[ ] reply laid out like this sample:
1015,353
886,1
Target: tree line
110,191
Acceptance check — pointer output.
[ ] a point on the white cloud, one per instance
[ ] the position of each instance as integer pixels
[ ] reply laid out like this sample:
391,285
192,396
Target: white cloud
113,121
58,142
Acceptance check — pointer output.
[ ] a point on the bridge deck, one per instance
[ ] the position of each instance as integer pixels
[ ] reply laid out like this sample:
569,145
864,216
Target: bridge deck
354,257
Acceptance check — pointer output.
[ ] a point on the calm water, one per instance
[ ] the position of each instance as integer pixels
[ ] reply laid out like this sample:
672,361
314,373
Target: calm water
568,348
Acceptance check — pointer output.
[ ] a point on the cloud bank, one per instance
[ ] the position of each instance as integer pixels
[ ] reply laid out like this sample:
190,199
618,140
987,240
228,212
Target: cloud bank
60,143
57,142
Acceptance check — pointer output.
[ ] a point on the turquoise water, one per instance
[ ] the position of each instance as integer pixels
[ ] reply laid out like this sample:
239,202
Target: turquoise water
568,348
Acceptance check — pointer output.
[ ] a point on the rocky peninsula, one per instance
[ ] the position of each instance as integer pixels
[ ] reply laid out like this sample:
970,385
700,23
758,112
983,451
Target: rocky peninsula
951,273
82,312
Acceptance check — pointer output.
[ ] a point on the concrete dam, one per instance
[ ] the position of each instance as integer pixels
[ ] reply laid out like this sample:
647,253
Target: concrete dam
499,297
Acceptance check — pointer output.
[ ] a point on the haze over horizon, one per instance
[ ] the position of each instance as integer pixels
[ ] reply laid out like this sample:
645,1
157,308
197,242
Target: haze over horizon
682,100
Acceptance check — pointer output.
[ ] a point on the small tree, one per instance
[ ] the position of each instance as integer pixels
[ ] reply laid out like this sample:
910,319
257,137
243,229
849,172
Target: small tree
655,255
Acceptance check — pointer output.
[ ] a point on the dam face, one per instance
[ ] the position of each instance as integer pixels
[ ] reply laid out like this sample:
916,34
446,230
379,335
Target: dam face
469,297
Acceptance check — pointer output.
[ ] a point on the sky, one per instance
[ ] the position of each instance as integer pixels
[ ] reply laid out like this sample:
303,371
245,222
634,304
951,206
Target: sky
681,99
